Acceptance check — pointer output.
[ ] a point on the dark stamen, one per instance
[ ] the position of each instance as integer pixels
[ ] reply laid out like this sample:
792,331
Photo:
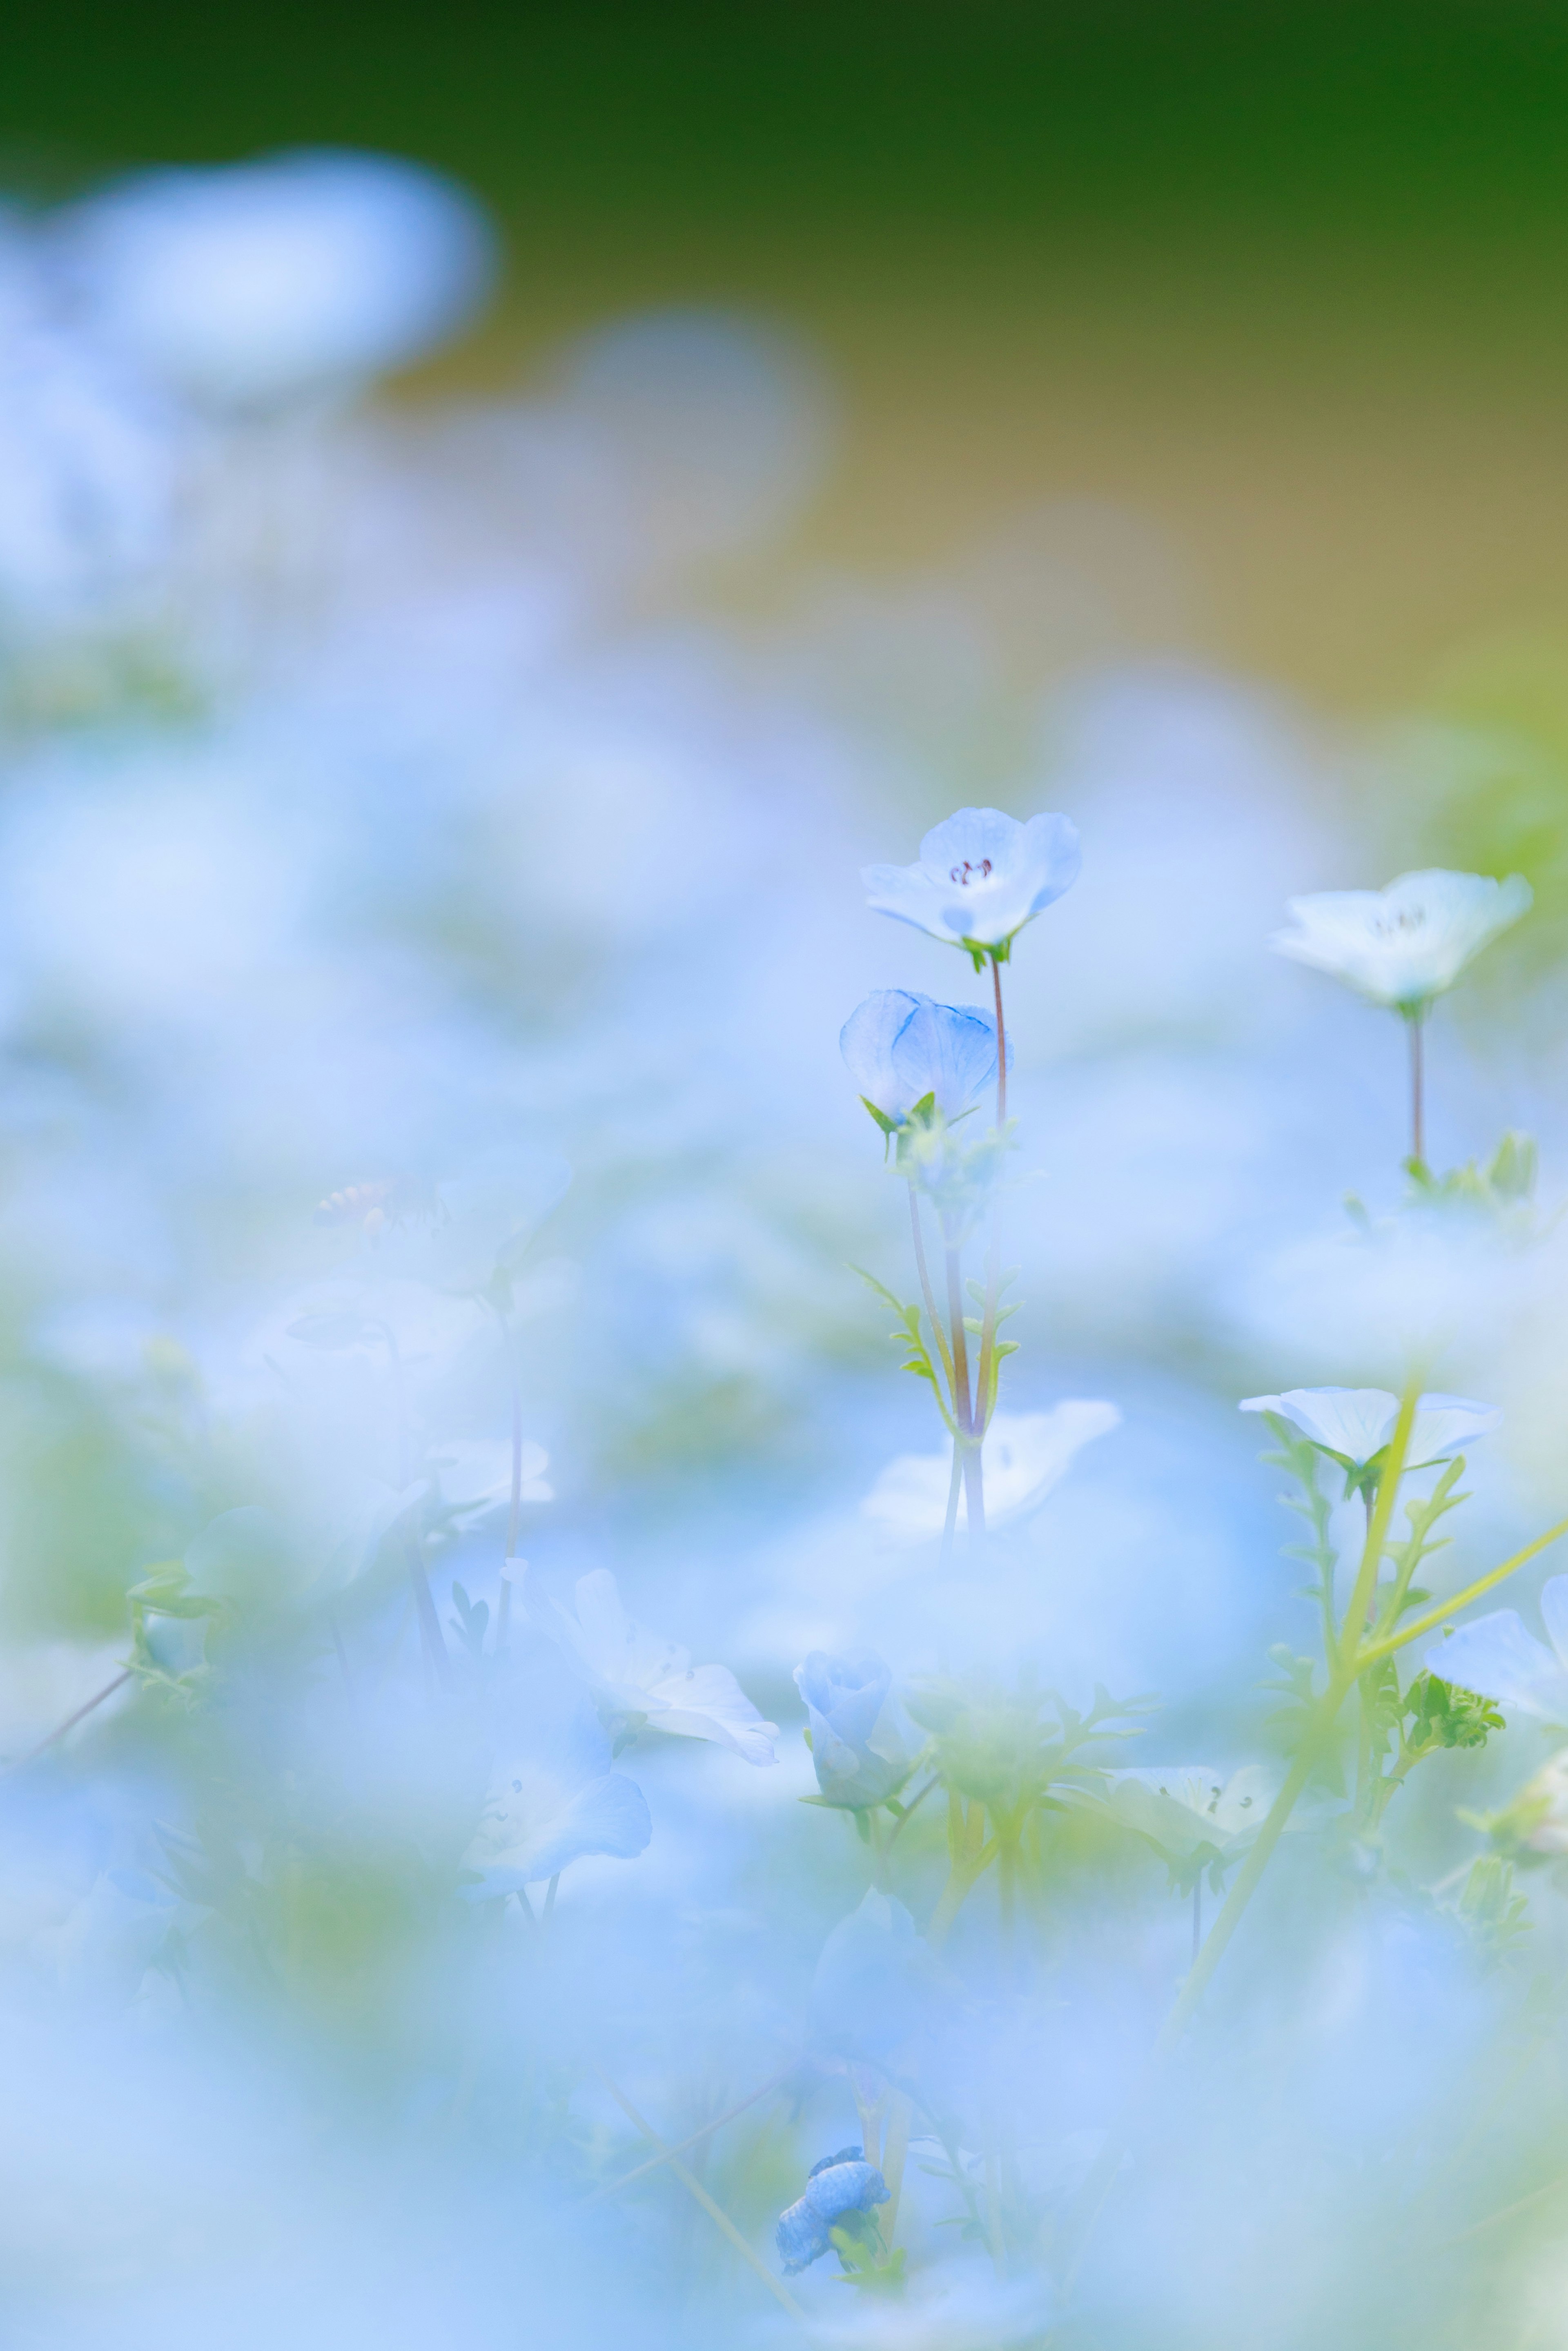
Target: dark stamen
966,874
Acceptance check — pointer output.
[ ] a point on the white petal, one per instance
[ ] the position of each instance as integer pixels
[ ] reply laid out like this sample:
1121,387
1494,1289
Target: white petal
1497,1658
1024,1455
1554,1615
1356,1422
707,1702
1444,1424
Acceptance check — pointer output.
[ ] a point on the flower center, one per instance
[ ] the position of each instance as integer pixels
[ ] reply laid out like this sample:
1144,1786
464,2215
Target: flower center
1408,918
966,874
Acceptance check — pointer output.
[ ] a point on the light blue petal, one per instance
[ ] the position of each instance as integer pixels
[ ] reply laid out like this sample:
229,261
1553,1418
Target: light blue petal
1554,1616
875,1983
606,1816
1356,1422
908,893
1052,853
1497,1658
968,838
991,911
1446,1423
847,1693
843,2188
801,2237
866,1042
947,1049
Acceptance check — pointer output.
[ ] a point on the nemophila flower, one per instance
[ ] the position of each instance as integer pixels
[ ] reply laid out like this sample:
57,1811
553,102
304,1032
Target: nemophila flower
475,1473
859,1755
981,876
1184,1808
552,1799
481,1223
1024,1455
250,285
899,1048
637,1677
1405,945
1537,1818
1354,1426
839,2189
1495,1655
875,1981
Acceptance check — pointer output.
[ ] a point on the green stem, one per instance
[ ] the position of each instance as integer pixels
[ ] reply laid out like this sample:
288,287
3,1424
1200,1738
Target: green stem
1451,1607
1006,1888
968,1445
908,1812
970,1856
930,1297
895,2154
695,2189
1349,1660
656,2162
985,1379
954,1484
70,1722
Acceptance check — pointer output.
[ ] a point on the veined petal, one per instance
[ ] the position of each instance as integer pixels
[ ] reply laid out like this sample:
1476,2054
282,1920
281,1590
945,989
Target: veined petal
1445,1423
1497,1658
707,1702
1406,943
968,838
945,1049
1356,1422
1554,1616
866,1042
909,895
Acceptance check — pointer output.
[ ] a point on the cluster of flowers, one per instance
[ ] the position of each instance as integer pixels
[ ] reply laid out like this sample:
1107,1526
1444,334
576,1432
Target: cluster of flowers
999,1759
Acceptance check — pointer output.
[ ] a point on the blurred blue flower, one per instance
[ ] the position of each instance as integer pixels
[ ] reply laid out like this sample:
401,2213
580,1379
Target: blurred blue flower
899,1048
860,1757
255,284
840,2185
980,877
874,1983
1404,945
1496,1657
553,1798
637,1676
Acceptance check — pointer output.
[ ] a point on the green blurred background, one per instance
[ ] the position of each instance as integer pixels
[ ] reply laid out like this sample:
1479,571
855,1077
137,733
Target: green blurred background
1289,281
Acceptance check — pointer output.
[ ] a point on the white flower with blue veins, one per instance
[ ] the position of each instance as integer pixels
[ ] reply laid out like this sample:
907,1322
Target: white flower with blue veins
899,1048
635,1673
1354,1426
1497,1658
980,877
552,1800
1182,1806
1024,1455
1409,943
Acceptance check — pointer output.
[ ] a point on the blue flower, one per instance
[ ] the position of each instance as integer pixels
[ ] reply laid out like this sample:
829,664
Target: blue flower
860,1757
899,1048
838,2186
981,876
875,1981
552,1798
1495,1655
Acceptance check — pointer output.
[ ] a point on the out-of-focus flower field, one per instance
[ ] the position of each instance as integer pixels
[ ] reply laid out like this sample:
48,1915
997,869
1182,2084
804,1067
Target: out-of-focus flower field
548,1795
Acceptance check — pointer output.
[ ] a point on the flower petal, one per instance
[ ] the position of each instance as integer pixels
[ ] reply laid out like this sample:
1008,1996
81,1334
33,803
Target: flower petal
1497,1658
